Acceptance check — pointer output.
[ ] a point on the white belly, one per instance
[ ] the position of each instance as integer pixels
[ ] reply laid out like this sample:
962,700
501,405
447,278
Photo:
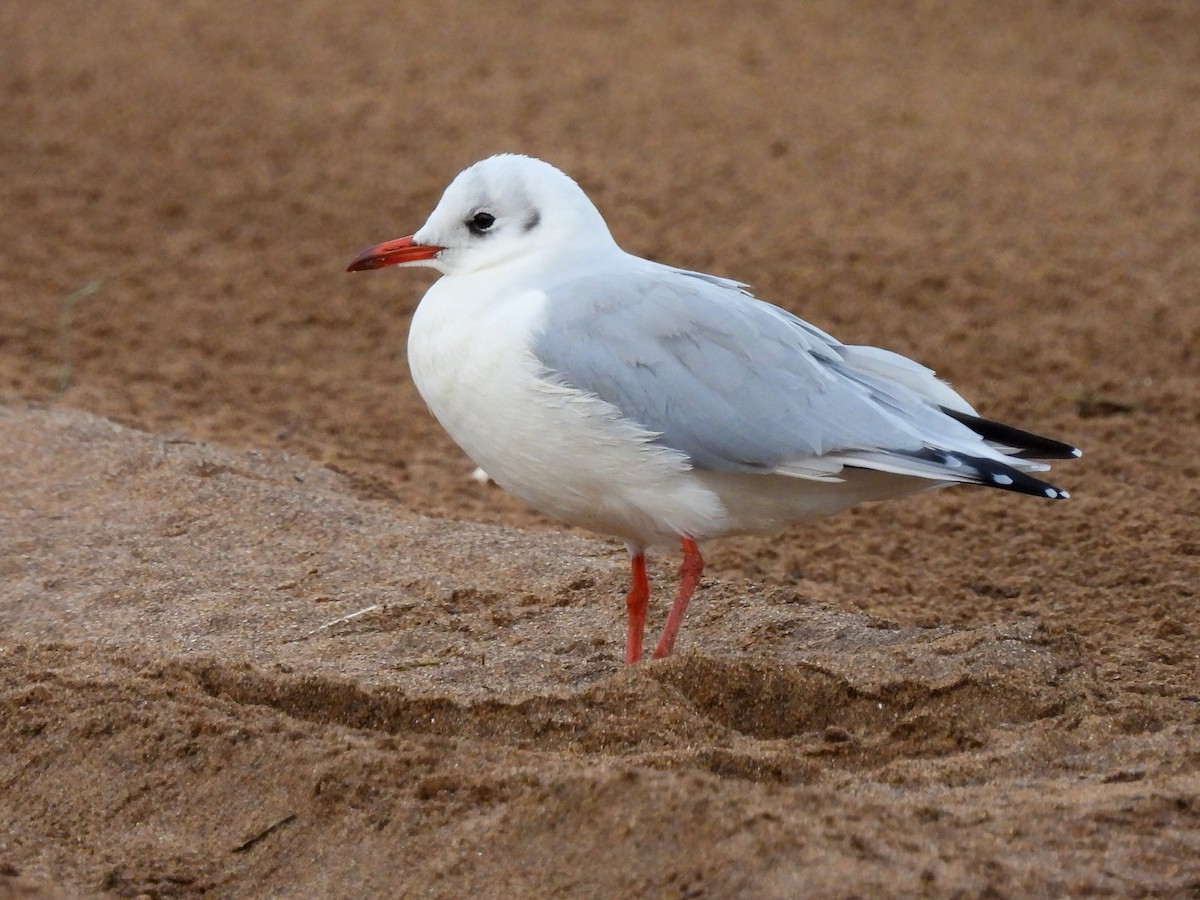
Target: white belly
571,455
567,454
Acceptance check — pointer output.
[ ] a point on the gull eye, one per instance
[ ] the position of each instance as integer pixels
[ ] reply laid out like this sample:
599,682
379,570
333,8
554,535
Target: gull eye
480,222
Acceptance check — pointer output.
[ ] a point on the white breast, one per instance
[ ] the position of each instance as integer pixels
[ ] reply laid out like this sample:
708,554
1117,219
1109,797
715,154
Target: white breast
566,453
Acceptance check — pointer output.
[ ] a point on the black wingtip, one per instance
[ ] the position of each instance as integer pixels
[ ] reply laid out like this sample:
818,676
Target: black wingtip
993,473
1006,478
1026,444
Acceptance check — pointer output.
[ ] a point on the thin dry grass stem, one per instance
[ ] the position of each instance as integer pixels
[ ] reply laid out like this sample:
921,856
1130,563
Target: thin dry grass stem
339,621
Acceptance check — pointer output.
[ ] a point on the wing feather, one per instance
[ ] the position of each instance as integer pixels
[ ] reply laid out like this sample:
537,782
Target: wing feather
739,385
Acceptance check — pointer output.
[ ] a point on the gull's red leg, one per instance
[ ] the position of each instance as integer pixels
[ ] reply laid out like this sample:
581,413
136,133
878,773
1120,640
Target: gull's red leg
689,577
637,600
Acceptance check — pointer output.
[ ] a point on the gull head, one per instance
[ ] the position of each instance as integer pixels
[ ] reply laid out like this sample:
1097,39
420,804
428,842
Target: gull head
502,210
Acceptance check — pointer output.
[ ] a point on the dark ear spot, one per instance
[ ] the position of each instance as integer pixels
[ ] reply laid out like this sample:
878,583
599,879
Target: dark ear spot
532,222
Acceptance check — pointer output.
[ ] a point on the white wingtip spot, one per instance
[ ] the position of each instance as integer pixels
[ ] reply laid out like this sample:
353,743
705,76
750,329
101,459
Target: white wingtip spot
1064,495
481,476
1002,479
1076,452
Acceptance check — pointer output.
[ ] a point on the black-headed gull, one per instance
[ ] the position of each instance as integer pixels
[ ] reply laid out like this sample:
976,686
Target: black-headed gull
657,404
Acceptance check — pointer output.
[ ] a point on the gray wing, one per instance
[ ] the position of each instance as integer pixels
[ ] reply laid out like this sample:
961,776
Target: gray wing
737,384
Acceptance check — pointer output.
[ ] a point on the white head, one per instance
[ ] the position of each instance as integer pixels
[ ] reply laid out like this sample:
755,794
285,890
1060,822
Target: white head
500,209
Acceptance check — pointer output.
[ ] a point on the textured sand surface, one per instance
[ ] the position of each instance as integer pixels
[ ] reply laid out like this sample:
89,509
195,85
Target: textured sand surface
260,633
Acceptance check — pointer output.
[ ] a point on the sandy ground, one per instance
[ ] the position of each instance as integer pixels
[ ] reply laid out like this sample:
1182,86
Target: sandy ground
260,633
